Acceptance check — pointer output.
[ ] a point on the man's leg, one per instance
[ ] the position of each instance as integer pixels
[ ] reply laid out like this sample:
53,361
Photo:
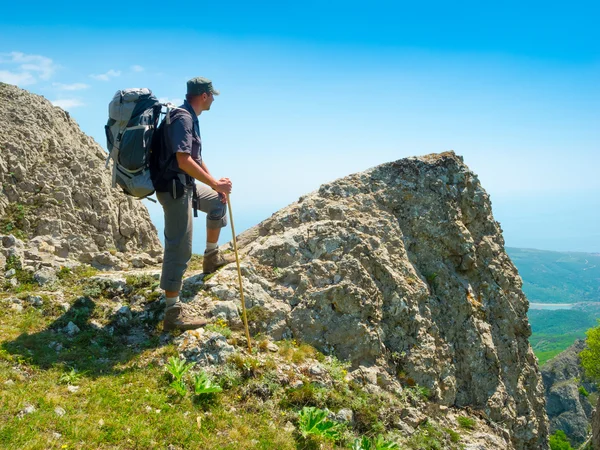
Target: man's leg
178,251
210,203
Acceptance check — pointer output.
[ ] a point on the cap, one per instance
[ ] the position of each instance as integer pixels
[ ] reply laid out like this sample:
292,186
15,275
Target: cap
199,86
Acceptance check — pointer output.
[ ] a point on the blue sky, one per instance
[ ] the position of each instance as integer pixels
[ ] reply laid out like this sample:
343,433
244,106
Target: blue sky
312,92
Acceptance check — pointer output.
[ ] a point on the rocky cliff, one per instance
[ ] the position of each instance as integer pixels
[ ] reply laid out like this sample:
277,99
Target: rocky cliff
402,271
567,390
54,188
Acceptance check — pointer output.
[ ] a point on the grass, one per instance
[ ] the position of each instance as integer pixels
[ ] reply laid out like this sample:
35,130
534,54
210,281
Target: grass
116,395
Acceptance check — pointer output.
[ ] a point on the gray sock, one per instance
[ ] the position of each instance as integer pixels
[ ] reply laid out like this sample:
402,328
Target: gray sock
172,300
211,246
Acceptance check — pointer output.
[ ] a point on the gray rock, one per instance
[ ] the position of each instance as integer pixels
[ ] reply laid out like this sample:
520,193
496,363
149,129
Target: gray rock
77,210
29,409
35,300
45,276
10,273
71,329
59,411
73,389
207,348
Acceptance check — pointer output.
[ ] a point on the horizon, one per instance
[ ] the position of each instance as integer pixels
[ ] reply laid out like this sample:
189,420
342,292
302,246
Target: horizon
312,95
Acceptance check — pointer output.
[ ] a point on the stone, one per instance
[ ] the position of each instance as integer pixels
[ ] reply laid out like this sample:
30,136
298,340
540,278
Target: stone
45,276
29,409
59,411
35,300
77,209
207,348
71,329
10,273
73,389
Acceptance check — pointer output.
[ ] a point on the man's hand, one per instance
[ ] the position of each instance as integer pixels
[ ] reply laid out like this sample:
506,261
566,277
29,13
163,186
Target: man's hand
223,186
222,197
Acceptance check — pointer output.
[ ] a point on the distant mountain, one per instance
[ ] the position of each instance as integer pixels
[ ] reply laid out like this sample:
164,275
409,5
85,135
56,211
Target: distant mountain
558,277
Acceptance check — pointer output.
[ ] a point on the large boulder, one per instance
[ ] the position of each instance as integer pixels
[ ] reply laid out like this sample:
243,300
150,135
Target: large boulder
401,267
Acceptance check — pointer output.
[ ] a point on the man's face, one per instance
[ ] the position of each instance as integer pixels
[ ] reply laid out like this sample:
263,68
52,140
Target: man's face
207,99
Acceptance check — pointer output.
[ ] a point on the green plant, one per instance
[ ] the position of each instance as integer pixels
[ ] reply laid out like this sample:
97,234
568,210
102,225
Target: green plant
178,367
203,385
379,443
313,421
559,441
466,422
71,377
179,387
590,357
583,391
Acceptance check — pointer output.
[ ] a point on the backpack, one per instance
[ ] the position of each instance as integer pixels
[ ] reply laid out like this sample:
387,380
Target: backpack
133,117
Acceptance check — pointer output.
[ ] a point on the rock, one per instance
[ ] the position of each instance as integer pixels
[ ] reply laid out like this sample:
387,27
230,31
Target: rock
56,435
45,276
71,329
10,273
207,348
567,409
63,185
345,416
272,347
596,426
65,306
35,300
9,383
73,389
59,411
29,409
17,307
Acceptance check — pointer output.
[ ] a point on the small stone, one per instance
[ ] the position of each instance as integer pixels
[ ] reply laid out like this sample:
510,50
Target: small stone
71,329
101,423
315,370
296,384
59,411
9,383
16,307
29,409
10,273
35,300
65,306
73,389
272,347
345,415
56,435
14,282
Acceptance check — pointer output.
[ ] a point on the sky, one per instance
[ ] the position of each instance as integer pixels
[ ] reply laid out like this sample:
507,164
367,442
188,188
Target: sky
311,92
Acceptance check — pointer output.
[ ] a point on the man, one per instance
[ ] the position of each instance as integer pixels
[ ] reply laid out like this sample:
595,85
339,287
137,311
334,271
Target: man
180,164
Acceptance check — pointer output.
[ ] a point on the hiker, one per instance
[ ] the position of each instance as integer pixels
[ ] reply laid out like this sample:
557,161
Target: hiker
176,190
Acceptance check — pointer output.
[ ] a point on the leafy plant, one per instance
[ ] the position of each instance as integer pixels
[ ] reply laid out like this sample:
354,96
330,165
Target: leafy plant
179,387
559,441
379,443
313,421
71,377
178,367
203,384
220,326
583,391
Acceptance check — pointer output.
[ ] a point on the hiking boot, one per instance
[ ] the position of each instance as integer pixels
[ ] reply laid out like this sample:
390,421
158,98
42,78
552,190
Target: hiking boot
176,317
215,259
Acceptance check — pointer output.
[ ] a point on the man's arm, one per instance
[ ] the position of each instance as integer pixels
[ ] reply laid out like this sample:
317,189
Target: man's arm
193,169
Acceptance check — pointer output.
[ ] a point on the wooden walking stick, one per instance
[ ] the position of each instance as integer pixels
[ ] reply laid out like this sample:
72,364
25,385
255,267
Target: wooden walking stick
237,260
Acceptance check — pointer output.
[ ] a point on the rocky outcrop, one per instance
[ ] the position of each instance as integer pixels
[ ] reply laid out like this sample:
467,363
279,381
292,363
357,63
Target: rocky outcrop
54,187
400,270
596,427
567,405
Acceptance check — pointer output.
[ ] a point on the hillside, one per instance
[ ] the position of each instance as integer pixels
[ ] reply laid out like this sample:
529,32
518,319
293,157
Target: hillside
558,277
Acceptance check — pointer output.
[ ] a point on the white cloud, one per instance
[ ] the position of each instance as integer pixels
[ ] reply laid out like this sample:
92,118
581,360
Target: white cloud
175,101
71,87
137,68
68,103
20,79
106,76
26,69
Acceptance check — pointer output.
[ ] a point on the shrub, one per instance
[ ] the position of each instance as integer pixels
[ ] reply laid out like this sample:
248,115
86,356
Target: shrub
203,385
313,421
559,441
583,391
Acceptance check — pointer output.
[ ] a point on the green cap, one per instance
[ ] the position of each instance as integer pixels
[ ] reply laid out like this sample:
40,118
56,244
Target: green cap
199,86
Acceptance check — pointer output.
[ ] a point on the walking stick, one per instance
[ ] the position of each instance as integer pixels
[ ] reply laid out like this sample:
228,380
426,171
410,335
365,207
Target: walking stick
237,260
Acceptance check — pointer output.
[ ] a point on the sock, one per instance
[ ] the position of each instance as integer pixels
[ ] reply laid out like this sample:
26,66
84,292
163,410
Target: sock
172,300
211,246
